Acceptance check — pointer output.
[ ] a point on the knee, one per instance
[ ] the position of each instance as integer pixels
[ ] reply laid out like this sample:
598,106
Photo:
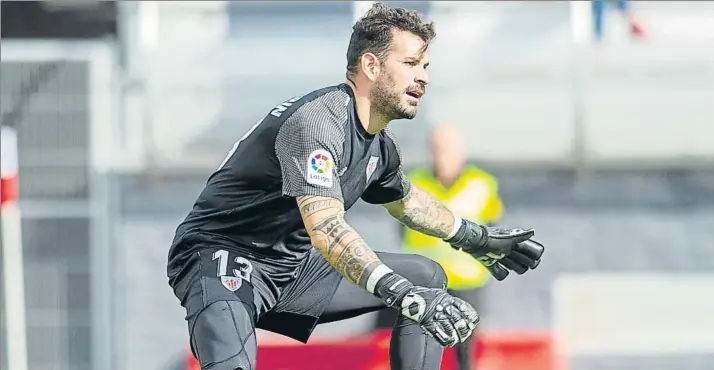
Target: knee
222,337
429,274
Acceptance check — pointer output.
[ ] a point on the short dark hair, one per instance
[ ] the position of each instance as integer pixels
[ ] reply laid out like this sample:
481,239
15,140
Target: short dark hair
373,32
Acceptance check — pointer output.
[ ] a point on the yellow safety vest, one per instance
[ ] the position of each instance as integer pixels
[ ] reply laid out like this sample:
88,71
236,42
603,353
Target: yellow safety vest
473,196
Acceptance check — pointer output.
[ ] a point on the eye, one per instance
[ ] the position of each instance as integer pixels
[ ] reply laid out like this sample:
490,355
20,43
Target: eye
412,63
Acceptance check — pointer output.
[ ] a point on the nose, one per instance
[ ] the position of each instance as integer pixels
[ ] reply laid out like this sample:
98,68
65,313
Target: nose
422,78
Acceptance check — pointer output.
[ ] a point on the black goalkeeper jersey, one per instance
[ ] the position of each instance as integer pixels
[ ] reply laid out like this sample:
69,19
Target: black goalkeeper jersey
309,145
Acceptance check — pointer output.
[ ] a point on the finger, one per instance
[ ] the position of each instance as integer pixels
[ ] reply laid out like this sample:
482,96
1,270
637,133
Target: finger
460,321
429,332
522,260
519,236
453,338
514,266
468,311
446,328
453,312
445,336
498,271
463,329
487,260
466,336
531,249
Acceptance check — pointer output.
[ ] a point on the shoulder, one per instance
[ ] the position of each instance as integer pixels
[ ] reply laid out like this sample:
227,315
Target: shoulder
322,110
316,121
388,136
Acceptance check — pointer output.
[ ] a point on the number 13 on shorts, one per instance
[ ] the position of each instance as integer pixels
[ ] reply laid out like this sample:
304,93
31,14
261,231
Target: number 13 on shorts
241,269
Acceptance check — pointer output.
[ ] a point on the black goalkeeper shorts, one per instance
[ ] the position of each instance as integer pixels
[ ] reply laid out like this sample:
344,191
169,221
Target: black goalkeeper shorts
226,295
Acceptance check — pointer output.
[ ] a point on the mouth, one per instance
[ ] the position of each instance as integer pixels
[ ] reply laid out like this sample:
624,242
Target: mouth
416,94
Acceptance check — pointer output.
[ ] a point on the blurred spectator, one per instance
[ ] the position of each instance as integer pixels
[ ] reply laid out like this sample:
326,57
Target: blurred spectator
472,194
624,7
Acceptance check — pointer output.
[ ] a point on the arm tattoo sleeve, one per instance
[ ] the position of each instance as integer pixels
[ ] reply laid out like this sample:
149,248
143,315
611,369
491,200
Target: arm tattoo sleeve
420,211
340,244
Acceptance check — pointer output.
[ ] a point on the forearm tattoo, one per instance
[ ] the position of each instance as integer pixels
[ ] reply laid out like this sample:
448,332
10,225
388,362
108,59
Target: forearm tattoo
340,244
422,212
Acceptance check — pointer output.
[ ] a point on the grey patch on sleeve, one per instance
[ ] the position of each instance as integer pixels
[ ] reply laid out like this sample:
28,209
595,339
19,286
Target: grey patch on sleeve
317,125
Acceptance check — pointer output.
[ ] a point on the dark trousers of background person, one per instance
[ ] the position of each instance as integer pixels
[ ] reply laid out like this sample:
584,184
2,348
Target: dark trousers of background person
464,351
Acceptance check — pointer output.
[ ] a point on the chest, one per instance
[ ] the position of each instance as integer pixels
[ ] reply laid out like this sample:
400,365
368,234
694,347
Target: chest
360,168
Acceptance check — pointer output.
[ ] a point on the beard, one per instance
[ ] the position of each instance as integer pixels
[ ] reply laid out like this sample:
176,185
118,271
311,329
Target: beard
387,100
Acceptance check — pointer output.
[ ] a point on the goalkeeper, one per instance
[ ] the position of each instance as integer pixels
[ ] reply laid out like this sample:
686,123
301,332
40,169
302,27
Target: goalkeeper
266,244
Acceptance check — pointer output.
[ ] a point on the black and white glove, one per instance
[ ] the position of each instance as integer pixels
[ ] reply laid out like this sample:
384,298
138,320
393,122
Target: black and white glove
449,320
500,250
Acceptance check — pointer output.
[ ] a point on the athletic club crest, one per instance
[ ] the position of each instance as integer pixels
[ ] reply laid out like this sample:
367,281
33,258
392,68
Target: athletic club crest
371,166
231,283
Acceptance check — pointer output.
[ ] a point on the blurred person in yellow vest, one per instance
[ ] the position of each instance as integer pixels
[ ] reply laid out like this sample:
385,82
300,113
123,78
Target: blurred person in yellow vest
471,193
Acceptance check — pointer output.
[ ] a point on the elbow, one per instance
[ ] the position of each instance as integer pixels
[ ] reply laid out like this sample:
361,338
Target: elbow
396,209
391,210
321,243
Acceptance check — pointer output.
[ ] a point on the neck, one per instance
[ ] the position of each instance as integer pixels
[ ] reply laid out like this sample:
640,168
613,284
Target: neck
371,119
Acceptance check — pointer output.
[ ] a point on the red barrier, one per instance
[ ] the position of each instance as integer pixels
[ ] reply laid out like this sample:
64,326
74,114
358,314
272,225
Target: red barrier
518,350
494,351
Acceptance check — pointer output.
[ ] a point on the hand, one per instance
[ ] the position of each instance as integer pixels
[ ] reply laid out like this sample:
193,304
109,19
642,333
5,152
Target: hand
525,256
447,319
500,250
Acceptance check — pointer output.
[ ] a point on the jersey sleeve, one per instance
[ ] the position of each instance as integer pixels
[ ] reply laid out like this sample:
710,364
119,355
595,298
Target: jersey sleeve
393,185
309,146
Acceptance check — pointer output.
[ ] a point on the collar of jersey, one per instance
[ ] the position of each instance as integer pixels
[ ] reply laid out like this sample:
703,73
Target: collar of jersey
360,128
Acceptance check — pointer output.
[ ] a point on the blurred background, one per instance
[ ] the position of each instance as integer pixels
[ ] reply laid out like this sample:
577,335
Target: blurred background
596,119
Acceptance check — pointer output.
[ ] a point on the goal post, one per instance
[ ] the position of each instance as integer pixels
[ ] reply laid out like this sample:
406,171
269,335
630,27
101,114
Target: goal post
13,278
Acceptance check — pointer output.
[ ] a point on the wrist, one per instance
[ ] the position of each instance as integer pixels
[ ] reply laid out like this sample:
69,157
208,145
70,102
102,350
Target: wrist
458,224
460,232
387,285
468,233
373,275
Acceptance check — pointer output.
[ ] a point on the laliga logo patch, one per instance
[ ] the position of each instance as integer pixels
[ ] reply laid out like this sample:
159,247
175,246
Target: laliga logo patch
319,168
